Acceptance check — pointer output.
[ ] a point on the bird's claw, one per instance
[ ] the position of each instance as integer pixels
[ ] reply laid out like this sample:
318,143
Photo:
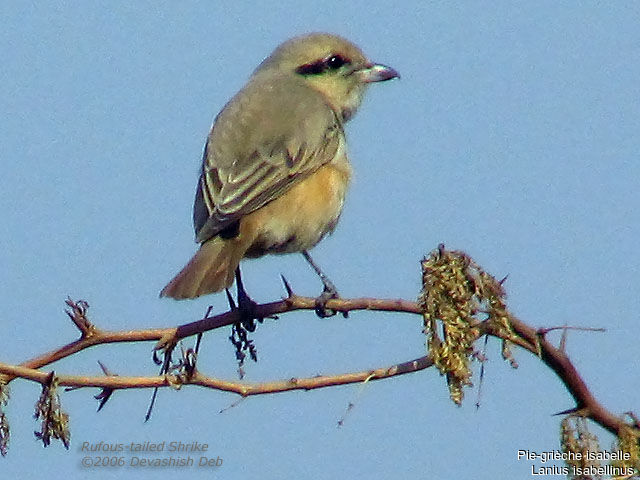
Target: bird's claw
321,302
247,309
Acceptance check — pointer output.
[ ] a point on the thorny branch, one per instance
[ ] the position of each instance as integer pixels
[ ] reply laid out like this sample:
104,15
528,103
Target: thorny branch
453,286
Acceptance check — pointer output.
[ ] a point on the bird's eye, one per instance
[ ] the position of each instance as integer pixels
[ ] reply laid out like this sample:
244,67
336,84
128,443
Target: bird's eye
335,62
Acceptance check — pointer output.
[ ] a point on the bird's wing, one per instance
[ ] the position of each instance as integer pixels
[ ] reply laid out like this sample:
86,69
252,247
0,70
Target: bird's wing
270,135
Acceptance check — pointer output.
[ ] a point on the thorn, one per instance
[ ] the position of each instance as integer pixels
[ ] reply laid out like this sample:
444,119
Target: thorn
103,397
544,331
568,411
633,417
504,279
234,404
106,371
198,339
481,356
232,303
156,358
287,287
563,340
166,364
151,404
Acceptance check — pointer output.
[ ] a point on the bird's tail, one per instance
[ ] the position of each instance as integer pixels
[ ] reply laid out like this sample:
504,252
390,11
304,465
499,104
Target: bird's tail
210,270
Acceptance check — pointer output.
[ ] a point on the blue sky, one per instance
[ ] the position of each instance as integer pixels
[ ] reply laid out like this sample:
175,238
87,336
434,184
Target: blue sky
513,135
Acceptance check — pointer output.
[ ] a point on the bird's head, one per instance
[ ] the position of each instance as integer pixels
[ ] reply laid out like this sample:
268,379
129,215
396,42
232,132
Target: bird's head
330,64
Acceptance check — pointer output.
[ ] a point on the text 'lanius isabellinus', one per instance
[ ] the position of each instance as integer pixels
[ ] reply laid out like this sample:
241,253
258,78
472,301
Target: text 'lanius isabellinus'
275,169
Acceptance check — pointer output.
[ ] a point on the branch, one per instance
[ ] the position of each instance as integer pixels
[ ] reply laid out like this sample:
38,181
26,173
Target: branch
526,337
456,292
586,404
118,382
92,336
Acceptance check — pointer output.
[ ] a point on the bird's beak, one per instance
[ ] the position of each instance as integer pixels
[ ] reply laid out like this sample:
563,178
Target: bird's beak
376,73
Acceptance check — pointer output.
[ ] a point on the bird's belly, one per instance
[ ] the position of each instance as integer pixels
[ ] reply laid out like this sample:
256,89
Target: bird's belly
302,216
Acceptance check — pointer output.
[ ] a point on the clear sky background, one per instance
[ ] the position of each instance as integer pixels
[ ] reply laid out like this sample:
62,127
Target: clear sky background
514,134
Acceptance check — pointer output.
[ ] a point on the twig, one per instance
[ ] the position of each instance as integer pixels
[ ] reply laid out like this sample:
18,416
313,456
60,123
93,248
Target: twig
526,337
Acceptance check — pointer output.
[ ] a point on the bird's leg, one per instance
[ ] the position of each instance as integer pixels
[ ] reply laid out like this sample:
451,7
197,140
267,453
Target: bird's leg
246,305
329,291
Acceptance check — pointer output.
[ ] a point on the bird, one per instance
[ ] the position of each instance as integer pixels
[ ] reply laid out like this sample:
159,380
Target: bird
275,170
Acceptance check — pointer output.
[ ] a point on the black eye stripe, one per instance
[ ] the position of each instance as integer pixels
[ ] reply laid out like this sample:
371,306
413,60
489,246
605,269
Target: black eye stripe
312,68
333,62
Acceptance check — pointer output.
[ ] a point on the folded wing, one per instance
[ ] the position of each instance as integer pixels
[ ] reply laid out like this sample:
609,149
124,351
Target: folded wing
273,133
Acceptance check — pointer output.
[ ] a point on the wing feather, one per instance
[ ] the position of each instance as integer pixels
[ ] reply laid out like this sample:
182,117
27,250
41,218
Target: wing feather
273,133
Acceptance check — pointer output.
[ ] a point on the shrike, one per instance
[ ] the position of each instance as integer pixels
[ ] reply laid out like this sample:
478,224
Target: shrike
275,169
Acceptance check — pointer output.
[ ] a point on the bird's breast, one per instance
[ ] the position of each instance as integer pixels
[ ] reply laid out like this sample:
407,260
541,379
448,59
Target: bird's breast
302,216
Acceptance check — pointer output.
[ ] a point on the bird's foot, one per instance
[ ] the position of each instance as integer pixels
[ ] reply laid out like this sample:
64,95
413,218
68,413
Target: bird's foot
240,330
328,293
246,308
